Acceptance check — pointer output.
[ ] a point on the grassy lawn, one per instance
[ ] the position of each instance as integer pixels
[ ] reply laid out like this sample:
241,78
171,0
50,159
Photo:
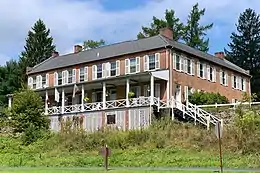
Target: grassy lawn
95,171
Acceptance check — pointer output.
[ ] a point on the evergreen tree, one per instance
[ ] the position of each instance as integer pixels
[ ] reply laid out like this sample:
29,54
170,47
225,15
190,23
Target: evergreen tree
39,46
245,46
170,20
194,32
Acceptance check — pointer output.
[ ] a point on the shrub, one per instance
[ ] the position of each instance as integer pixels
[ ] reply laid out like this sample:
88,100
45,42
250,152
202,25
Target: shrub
206,98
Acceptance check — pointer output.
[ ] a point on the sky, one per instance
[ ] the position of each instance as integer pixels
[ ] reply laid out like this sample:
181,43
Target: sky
73,21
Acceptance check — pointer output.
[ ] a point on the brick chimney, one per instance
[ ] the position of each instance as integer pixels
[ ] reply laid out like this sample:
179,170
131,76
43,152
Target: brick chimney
166,32
77,48
220,55
55,54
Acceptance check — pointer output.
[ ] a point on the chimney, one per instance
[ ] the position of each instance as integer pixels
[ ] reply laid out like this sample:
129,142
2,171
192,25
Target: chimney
220,55
55,54
166,32
77,48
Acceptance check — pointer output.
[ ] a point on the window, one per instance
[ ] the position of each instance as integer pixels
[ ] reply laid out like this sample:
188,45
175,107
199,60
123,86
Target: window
234,82
99,71
45,80
223,76
111,119
132,65
83,74
211,72
152,61
70,75
177,62
113,69
34,82
59,78
201,70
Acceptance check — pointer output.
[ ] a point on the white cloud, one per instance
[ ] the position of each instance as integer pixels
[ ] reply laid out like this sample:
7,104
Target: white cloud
73,21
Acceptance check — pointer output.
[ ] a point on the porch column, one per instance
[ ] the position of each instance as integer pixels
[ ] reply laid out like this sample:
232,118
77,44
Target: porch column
152,90
127,91
82,97
62,101
9,102
168,92
46,102
104,95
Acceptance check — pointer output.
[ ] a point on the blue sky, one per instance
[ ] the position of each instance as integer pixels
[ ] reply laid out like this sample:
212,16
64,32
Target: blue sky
73,21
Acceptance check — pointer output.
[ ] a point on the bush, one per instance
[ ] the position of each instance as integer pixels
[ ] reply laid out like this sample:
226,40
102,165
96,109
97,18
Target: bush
27,115
206,98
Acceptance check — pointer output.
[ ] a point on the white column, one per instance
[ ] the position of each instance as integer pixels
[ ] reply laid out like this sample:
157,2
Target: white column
127,91
46,102
168,92
62,101
104,95
9,102
82,97
152,90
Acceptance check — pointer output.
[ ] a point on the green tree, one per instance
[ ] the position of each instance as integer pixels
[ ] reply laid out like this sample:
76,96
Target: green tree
194,32
170,20
10,80
91,44
39,46
27,112
245,46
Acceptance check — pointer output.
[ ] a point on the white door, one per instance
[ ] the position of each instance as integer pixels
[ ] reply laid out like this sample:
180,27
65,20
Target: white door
178,96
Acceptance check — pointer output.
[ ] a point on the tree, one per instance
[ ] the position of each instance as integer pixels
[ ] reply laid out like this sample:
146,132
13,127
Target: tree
27,112
39,46
91,44
245,46
170,20
10,80
194,32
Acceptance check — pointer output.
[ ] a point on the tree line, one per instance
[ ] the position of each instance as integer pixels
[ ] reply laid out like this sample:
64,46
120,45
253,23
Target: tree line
243,49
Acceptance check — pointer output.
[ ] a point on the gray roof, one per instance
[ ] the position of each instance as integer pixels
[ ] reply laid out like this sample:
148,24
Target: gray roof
124,48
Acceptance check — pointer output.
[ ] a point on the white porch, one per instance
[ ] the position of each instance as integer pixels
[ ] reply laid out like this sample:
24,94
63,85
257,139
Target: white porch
148,89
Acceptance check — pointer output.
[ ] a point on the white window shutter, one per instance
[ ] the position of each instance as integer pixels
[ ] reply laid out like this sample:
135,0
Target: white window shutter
103,70
198,69
94,72
55,79
186,92
214,74
226,79
244,85
40,81
137,64
192,67
108,69
37,82
157,61
74,71
30,82
204,71
66,77
47,80
127,66
232,80
185,61
146,63
174,61
181,64
117,68
208,72
85,73
221,77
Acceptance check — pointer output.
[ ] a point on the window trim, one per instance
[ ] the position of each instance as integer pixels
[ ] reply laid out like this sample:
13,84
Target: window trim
146,61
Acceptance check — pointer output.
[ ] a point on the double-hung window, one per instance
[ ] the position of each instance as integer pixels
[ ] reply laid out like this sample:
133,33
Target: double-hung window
70,76
60,77
99,71
45,80
211,73
152,61
83,74
32,83
177,62
243,86
223,76
113,68
132,65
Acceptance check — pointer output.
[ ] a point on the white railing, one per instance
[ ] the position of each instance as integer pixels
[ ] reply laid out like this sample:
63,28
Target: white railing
229,104
188,109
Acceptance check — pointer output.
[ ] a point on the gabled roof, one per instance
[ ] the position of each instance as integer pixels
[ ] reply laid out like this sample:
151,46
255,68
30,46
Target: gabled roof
124,48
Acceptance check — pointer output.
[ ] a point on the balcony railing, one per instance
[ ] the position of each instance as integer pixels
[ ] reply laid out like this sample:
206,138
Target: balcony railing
113,104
